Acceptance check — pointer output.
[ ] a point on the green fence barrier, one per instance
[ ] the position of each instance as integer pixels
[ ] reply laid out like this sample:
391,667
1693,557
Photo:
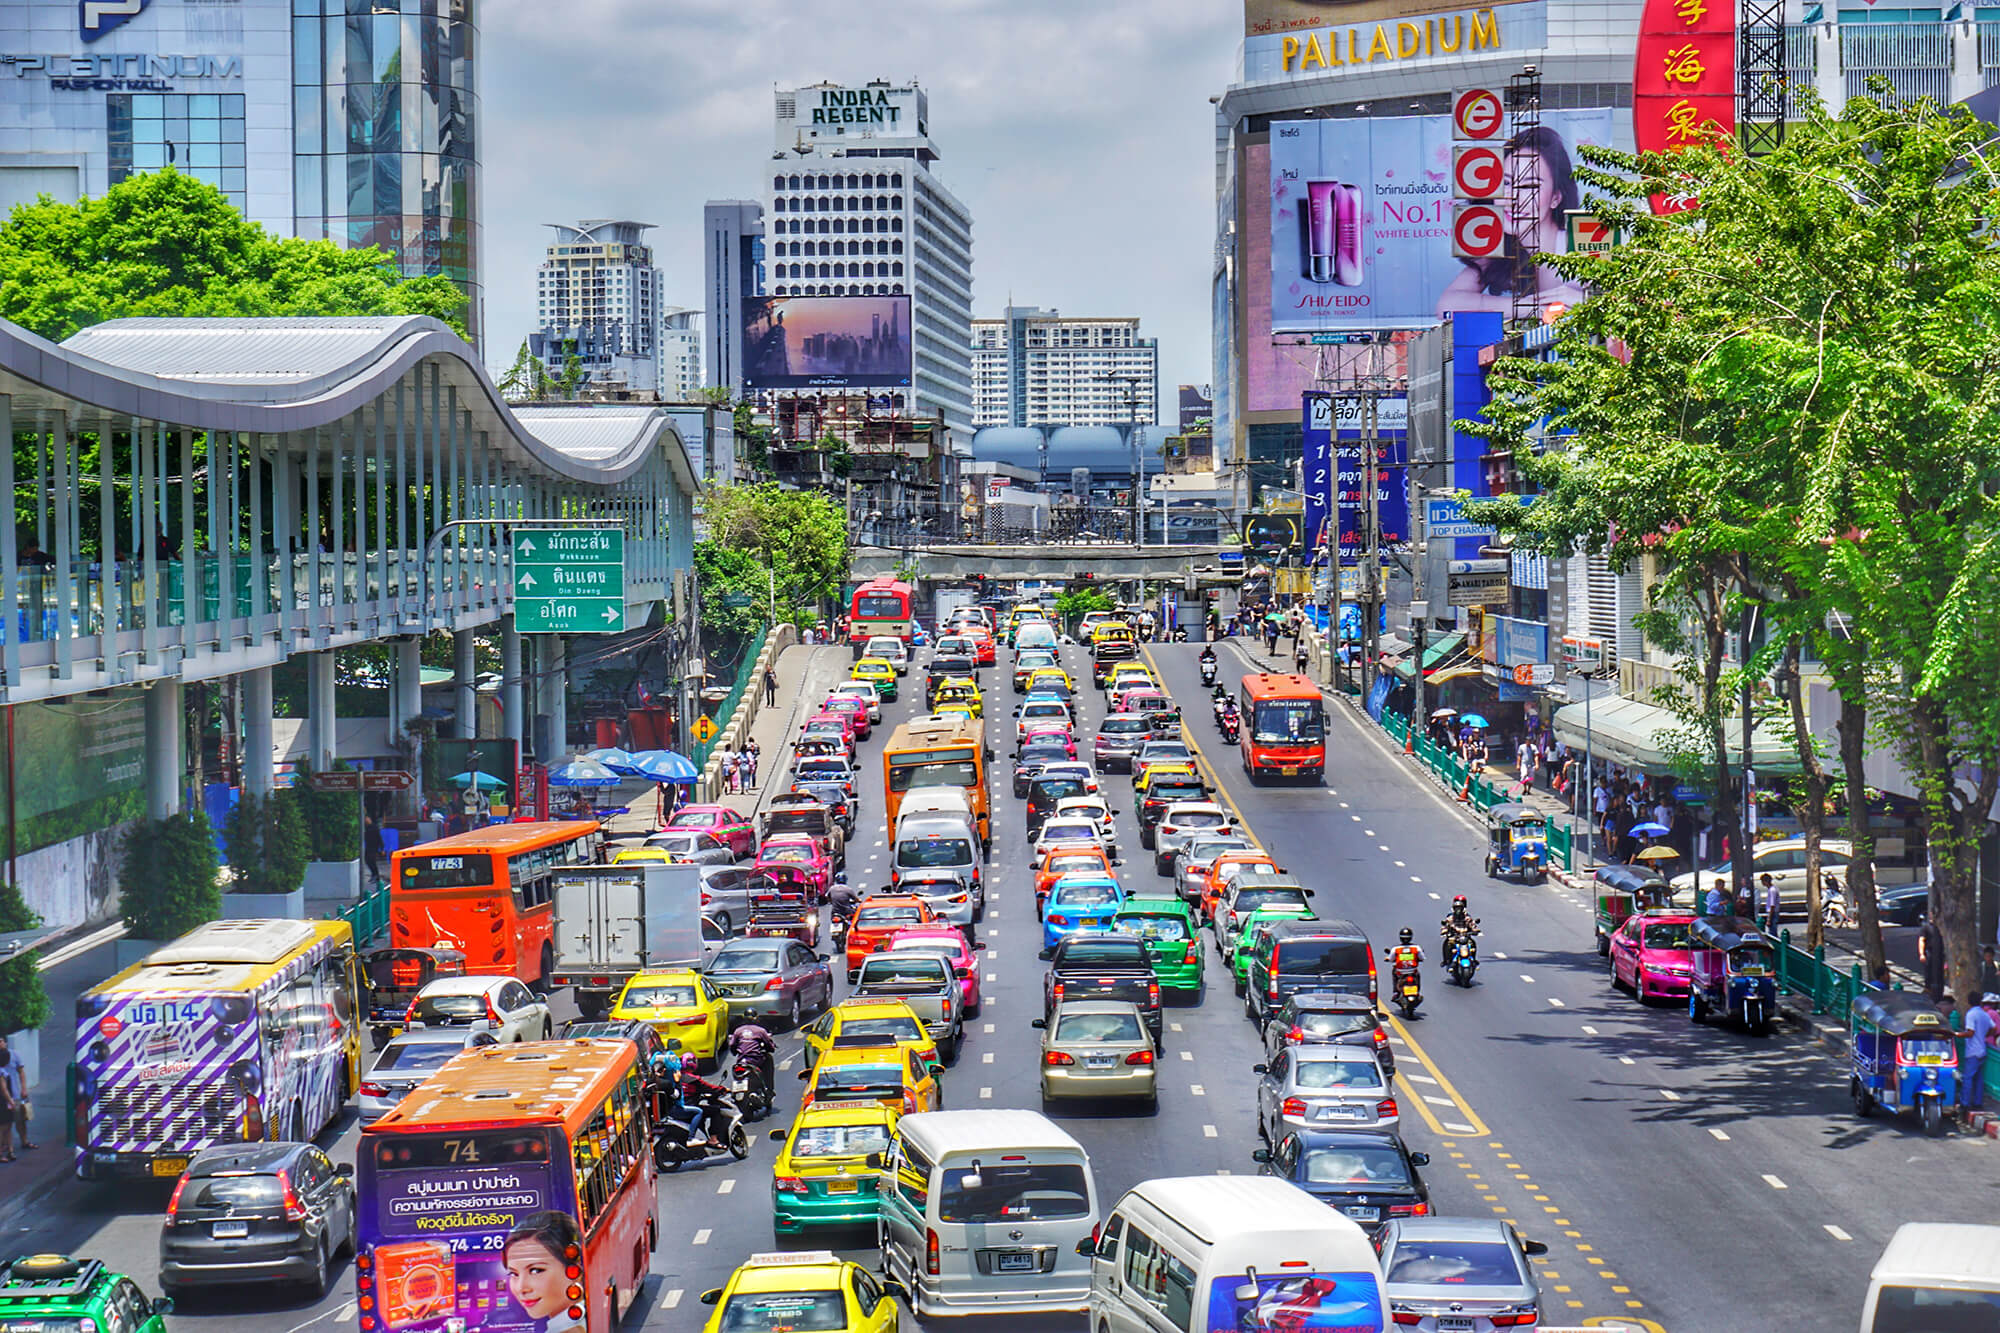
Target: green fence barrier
369,917
1830,990
1396,727
1562,845
726,711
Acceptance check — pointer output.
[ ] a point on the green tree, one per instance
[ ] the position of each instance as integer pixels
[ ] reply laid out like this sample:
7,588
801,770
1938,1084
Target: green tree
24,1004
724,570
166,877
332,819
800,536
166,244
1075,601
527,380
267,843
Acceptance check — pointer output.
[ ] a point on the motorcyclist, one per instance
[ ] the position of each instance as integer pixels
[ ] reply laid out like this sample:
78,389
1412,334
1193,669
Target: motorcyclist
843,898
663,1084
1208,662
698,1095
1406,954
753,1043
1460,922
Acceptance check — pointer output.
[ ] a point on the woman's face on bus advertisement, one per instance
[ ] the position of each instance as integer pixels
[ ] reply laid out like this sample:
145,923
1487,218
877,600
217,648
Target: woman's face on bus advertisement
535,1278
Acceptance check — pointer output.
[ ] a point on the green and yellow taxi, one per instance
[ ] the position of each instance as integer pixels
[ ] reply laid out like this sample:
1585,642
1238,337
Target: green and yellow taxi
870,1022
680,1005
895,1076
821,1177
806,1289
1172,937
1144,778
954,710
879,672
1250,929
55,1292
958,691
628,855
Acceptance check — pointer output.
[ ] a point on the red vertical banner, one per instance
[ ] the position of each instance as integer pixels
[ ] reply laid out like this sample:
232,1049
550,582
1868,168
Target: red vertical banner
1684,80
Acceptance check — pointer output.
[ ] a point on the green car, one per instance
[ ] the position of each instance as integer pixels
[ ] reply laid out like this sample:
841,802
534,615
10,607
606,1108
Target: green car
53,1291
1246,936
1173,940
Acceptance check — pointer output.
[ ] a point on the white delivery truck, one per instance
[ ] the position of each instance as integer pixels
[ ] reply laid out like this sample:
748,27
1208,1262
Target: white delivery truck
614,921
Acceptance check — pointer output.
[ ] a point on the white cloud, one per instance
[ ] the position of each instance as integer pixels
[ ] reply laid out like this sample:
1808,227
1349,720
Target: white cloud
1078,131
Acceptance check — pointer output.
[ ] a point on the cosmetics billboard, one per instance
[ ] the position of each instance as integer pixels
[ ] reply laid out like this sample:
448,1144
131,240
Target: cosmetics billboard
1361,212
826,342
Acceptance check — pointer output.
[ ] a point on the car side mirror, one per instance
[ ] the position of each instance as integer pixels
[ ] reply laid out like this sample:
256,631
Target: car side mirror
345,1170
1533,1247
1260,1069
776,1136
895,1290
803,1073
711,1296
1040,1024
824,957
163,1305
1260,1155
1086,1248
874,1161
1421,1158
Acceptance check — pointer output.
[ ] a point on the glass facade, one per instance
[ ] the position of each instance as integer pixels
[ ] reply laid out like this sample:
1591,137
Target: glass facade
200,134
384,124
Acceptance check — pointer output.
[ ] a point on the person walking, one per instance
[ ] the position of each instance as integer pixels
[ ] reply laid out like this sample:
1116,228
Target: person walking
729,771
1978,1034
18,1112
371,849
1930,954
751,754
770,687
1773,904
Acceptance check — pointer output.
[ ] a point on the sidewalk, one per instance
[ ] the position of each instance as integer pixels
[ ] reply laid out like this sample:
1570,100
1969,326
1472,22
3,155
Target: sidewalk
806,672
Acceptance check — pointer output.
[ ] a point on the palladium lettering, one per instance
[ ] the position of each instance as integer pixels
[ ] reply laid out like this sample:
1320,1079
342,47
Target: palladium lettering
1451,34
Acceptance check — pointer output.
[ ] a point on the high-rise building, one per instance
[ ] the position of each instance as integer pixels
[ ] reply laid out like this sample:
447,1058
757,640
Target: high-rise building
857,209
680,355
732,265
316,121
598,300
1035,367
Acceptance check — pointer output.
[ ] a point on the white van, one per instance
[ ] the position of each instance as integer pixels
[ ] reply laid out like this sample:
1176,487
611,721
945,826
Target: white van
1935,1275
890,649
987,1212
931,800
1231,1252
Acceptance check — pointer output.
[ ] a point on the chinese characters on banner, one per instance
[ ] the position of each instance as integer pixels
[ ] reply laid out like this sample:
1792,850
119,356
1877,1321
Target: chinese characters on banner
1684,81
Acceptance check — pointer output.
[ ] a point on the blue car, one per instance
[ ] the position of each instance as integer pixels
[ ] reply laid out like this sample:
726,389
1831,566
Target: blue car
1080,902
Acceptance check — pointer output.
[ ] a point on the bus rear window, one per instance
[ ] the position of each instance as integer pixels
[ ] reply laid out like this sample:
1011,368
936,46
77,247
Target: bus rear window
955,773
467,870
879,608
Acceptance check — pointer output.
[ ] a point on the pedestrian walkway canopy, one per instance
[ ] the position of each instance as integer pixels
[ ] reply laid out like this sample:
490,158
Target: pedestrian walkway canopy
1649,739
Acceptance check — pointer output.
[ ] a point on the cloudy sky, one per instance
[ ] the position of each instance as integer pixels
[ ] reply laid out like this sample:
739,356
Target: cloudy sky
1079,133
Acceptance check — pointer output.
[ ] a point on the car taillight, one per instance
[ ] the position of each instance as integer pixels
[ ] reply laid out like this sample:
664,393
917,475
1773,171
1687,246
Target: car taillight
1193,954
1293,1106
774,983
294,1210
1274,987
1055,920
1059,992
1295,1033
1058,1058
694,1022
789,1185
492,1014
909,1102
410,1014
1386,1109
1418,1209
930,1252
1381,1037
1139,1058
1406,1316
1153,993
1371,975
372,1090
174,1204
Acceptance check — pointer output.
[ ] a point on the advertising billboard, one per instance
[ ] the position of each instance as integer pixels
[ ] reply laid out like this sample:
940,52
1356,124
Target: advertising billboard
1361,216
826,342
1317,472
1263,17
1350,466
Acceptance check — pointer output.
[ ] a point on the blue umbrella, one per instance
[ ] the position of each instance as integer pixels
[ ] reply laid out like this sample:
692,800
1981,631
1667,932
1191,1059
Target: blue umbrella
613,758
1474,720
1649,829
582,772
664,766
487,781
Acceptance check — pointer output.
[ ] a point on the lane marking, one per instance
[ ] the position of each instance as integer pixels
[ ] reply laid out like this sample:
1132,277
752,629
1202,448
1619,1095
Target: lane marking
1774,1182
1434,897
1197,1090
1471,1123
1718,1135
786,1063
1421,1078
1587,1028
1439,1101
1208,1131
988,1027
1187,1055
1418,879
1626,1060
1670,1094
701,1236
986,1094
1502,956
1836,1232
987,1058
672,1299
1174,1027
1554,1003
725,1185
1399,864
1525,977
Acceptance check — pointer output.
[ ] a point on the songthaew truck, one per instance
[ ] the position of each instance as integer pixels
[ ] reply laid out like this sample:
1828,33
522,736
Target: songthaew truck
615,921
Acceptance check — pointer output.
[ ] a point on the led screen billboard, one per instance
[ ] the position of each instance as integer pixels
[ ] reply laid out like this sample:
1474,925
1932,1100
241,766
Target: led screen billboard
826,342
1361,210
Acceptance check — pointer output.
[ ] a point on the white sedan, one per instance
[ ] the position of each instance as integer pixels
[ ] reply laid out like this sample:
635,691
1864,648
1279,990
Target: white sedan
863,691
500,1005
1071,829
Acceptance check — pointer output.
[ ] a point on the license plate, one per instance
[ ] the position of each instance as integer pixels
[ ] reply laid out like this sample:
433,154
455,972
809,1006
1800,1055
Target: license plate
1455,1323
843,1186
1360,1214
1014,1263
1338,1113
1290,770
1099,1061
169,1166
229,1230
1936,1059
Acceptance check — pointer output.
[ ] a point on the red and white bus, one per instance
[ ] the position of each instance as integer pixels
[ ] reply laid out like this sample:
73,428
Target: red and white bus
1283,727
880,606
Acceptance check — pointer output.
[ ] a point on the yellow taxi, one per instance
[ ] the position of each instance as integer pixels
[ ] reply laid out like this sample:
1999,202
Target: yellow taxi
806,1289
627,855
1136,670
1142,782
954,710
870,1022
879,672
1055,676
892,1075
681,1006
959,692
821,1177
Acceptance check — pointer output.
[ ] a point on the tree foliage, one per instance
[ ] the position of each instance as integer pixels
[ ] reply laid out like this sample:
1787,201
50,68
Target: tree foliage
800,536
24,1003
1073,602
267,843
165,244
166,877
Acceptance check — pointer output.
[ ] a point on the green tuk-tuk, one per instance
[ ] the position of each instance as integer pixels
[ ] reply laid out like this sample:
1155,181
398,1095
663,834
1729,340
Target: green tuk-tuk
1620,890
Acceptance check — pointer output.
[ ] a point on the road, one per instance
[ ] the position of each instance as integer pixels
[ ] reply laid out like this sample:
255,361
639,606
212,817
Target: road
1684,1178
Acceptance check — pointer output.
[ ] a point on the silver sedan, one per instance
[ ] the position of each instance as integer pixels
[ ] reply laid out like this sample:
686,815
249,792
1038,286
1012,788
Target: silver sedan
1322,1087
1459,1273
408,1060
694,847
770,980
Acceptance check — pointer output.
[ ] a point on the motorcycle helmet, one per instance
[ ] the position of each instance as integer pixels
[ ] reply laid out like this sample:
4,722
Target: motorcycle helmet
1458,903
1404,935
690,1063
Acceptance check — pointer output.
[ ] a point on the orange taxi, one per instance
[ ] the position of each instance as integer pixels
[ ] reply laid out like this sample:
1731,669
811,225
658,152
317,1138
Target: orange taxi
1217,880
877,919
1074,859
982,644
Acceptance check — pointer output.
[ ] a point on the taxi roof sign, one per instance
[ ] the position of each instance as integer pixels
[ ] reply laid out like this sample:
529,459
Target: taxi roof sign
792,1259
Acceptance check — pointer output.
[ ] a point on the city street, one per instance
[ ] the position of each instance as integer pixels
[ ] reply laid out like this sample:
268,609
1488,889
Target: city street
1683,1178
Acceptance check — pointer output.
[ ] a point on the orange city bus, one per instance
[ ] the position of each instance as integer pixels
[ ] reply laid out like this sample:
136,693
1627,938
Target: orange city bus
487,894
938,752
1283,727
513,1189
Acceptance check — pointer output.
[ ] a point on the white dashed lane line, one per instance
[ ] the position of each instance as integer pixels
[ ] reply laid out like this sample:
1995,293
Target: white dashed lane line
1554,1003
1187,1055
1626,1060
1198,1090
1525,977
672,1298
725,1186
1836,1232
701,1236
1718,1136
1589,1031
1208,1131
1774,1182
1670,1094
986,1094
987,1058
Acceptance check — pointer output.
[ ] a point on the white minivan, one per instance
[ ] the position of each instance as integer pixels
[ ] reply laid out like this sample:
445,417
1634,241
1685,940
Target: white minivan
890,649
1935,1275
1230,1252
987,1213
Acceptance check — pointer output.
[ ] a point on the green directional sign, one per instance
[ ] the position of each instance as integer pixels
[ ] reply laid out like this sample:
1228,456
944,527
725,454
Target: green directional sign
569,581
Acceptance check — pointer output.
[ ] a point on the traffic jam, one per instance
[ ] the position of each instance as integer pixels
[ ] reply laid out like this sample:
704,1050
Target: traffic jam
955,1040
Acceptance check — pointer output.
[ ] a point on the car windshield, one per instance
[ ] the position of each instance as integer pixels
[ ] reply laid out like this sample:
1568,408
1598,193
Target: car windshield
1337,1073
921,852
787,854
923,968
1250,898
659,997
1079,830
887,916
408,1055
1289,722
1457,1263
699,819
236,1191
862,1081
785,1312
1051,790
1028,1192
840,1140
879,1031
1098,1027
1175,789
1356,1164
1084,895
1154,927
747,958
1172,752
450,1008
1667,935
1045,751
1336,1023
1124,726
1752,961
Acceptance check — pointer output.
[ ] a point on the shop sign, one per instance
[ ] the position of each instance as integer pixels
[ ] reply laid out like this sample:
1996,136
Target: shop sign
1484,589
1580,651
1683,80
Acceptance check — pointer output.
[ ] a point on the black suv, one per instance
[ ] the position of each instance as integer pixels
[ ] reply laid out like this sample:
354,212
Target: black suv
1160,794
1316,1017
263,1212
1043,793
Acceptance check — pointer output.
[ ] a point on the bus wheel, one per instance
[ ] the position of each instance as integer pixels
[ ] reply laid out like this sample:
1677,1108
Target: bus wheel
541,986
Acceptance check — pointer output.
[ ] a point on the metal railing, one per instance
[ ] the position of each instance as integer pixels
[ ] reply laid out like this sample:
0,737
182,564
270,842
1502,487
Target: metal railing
369,917
1801,52
1914,57
726,711
1453,772
1829,989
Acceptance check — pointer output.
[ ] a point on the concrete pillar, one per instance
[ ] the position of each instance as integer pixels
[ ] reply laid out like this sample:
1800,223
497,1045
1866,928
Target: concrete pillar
555,680
258,769
462,671
511,702
321,713
165,769
407,703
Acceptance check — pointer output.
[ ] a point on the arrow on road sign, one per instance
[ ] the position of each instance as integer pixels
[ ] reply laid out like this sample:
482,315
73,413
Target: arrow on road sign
611,613
528,546
527,579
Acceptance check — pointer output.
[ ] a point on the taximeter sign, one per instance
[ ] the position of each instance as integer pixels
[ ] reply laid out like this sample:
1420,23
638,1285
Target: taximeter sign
1476,113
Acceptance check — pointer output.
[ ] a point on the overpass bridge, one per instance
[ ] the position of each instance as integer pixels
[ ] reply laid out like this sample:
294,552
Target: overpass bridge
1054,560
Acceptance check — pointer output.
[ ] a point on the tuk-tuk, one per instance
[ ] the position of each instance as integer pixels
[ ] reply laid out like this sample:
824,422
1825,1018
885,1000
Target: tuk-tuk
1732,973
1620,891
783,915
1517,842
394,977
1905,1056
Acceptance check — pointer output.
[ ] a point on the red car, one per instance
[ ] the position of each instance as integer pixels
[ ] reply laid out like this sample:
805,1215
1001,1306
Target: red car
797,851
1051,735
720,822
852,707
1650,954
982,646
948,942
819,723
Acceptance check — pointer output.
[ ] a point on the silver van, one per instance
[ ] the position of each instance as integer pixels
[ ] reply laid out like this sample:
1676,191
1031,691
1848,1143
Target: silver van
983,1213
939,841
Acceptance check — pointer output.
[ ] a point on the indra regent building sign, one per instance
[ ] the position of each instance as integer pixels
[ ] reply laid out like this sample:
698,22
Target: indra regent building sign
861,106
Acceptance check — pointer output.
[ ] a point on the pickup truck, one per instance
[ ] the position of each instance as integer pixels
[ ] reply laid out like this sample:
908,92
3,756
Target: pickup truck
1104,967
925,982
807,812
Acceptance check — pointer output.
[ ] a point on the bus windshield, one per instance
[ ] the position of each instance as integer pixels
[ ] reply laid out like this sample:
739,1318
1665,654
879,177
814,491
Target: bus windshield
1289,722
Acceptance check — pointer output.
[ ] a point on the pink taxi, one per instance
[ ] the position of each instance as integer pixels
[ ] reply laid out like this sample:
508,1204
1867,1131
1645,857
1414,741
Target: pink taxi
721,823
1650,953
798,851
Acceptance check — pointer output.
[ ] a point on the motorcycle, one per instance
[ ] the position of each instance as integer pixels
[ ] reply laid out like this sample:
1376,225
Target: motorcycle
750,1084
1462,958
1406,989
674,1143
1207,672
1833,909
1230,726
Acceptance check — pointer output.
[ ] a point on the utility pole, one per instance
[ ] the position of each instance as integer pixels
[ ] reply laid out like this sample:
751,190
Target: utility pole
1371,567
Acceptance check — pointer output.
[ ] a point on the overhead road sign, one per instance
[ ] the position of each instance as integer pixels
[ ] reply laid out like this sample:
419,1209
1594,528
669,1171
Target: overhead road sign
569,580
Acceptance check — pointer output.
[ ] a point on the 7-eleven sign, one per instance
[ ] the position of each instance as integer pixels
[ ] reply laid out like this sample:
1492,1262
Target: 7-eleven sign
1590,234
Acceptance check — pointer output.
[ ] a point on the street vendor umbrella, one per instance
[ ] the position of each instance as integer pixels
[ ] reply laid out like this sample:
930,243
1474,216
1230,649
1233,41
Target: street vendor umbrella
1649,830
1657,854
613,758
664,766
1475,720
487,782
1444,712
582,772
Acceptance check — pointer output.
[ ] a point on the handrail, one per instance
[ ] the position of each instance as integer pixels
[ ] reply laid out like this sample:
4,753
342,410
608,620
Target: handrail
369,917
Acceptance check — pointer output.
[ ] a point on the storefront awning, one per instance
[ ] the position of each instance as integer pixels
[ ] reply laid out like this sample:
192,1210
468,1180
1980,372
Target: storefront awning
1645,737
1438,650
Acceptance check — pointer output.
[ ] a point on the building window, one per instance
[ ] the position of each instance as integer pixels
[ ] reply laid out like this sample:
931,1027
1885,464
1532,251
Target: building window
792,183
895,224
896,290
824,183
777,182
896,247
896,270
200,134
896,181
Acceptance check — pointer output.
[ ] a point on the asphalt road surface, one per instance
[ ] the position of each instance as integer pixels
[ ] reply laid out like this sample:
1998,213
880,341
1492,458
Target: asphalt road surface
1684,1178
